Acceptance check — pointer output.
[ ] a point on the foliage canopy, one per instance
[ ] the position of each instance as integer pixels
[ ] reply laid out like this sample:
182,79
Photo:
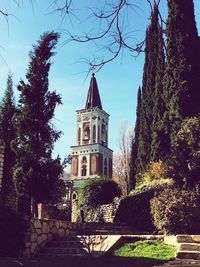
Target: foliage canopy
36,173
98,191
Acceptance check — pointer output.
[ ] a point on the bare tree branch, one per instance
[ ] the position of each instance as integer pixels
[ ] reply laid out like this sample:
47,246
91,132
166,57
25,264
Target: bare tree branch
121,161
112,21
111,26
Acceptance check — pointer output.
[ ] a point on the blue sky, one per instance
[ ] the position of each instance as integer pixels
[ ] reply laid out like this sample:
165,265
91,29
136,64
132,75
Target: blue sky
118,81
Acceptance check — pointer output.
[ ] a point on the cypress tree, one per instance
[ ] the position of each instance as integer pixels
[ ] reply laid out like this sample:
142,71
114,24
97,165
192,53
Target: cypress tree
7,135
160,141
148,91
181,81
36,173
135,142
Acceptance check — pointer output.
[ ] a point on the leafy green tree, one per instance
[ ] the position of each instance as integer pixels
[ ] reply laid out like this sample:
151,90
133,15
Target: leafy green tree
37,174
181,81
184,161
7,134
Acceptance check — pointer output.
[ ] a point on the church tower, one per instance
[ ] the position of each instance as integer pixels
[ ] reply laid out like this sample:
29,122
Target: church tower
91,156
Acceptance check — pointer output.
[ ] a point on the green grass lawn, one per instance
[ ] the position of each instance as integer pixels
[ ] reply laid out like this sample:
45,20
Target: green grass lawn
151,249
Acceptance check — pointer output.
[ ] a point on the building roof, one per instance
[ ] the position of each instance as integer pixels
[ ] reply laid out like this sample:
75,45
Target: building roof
93,97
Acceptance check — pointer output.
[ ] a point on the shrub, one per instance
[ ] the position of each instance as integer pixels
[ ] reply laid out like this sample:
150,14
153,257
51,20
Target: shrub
184,160
56,213
12,233
135,209
95,192
176,211
98,191
155,176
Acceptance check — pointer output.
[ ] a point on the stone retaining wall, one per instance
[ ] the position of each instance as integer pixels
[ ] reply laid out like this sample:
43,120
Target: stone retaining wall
74,213
107,212
42,230
103,213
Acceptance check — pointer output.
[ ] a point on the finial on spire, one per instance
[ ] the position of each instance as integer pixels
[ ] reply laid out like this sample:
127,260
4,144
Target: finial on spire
92,70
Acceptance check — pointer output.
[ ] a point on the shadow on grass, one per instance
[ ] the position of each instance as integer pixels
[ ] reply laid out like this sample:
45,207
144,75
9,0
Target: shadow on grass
82,262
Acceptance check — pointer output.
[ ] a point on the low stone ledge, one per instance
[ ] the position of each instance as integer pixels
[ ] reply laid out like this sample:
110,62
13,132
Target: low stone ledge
43,230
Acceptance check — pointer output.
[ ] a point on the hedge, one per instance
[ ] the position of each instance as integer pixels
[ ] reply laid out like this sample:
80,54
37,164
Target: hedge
176,211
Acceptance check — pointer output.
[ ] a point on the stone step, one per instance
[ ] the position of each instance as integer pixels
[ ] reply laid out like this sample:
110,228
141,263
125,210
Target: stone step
60,255
188,247
181,263
188,238
108,232
65,243
63,251
107,226
68,238
111,229
188,255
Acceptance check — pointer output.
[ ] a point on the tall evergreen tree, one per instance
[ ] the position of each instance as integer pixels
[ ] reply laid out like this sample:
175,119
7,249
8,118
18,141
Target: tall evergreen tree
36,173
135,142
181,81
152,51
160,141
7,135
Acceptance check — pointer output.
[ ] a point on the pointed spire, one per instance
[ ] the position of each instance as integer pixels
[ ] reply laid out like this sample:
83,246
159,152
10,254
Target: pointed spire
93,98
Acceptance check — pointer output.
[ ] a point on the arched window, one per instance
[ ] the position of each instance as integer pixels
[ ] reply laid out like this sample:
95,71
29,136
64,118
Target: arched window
79,135
105,167
84,166
103,134
84,160
74,196
98,137
106,137
86,133
94,134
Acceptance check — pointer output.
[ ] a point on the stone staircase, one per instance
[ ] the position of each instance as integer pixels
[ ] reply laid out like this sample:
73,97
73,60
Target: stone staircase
188,251
64,247
188,247
85,245
96,237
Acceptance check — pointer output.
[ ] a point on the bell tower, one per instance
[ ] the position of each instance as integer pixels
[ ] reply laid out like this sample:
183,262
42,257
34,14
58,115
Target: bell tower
91,156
